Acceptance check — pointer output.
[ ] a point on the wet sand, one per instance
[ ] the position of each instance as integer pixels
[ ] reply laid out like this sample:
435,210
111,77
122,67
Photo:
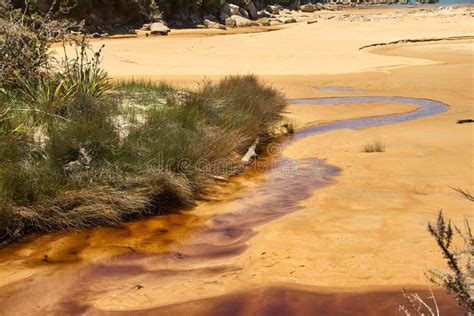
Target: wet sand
346,245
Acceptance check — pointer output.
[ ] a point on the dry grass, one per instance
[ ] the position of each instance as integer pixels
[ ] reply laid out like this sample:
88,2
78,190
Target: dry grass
375,146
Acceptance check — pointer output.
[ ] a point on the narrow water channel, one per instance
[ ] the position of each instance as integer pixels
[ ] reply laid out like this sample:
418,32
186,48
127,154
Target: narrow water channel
288,182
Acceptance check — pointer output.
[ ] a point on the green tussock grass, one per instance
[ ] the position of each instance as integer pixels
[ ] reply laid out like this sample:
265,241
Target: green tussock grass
142,85
124,155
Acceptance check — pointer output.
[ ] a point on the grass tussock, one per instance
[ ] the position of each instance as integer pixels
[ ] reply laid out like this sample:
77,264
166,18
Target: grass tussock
85,172
376,146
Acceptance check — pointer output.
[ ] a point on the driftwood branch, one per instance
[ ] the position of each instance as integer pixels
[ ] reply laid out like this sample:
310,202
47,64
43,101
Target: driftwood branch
451,38
251,154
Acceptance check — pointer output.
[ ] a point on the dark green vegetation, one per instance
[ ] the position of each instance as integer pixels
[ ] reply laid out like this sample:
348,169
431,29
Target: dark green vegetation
109,15
78,151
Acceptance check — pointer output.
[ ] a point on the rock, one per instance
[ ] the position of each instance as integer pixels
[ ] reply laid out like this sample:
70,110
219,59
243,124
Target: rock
230,22
200,26
159,28
146,27
308,8
319,6
210,17
223,16
273,9
264,21
330,7
252,10
195,19
287,20
213,25
238,21
244,13
95,35
312,21
296,5
275,22
230,9
263,14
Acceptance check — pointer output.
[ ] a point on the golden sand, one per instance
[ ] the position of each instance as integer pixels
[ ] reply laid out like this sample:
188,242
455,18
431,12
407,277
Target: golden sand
365,232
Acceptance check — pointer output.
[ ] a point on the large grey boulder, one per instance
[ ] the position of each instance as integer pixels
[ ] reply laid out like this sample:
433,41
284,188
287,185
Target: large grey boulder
230,22
213,25
230,9
308,8
159,28
264,21
296,5
239,21
273,9
252,10
244,13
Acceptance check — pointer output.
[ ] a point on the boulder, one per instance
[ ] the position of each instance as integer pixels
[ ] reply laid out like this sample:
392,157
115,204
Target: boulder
287,20
230,9
264,21
273,9
195,18
296,5
239,21
213,25
263,14
252,10
230,22
159,28
308,8
210,17
330,7
223,16
244,13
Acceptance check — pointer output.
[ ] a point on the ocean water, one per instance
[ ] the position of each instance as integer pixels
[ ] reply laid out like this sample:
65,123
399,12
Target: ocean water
456,1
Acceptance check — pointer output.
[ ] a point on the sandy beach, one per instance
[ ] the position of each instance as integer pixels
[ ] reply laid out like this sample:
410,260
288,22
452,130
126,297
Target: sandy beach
357,239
